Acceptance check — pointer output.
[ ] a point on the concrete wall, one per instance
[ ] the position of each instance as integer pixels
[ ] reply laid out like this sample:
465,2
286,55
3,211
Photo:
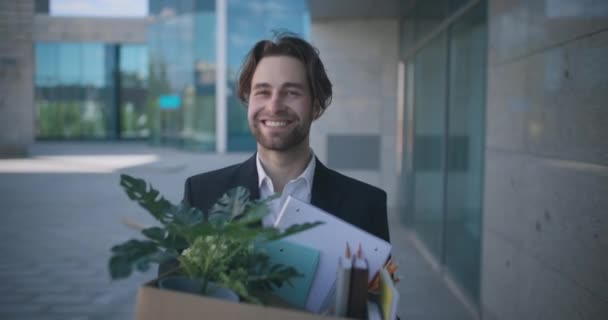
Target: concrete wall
20,28
545,231
77,29
16,77
361,58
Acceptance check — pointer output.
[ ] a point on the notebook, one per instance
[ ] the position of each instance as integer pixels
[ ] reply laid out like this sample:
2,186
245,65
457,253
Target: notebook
304,259
329,238
389,296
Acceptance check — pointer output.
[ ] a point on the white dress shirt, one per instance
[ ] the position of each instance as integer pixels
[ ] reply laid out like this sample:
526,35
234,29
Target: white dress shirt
300,188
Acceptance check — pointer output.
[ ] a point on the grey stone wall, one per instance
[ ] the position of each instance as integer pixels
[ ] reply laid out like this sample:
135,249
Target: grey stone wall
545,228
361,57
89,29
16,77
20,28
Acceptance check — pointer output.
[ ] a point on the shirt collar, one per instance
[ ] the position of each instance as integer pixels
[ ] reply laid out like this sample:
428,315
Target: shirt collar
308,173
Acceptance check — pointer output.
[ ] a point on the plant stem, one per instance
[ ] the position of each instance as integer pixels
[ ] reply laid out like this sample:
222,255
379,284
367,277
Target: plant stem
205,283
170,272
206,276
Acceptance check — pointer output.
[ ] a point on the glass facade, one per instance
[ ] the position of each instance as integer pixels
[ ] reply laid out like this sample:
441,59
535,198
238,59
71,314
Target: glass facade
77,90
164,90
248,22
133,84
181,41
444,129
182,47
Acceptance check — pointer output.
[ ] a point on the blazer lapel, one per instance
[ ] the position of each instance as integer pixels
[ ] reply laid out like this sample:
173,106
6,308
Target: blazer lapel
324,194
247,176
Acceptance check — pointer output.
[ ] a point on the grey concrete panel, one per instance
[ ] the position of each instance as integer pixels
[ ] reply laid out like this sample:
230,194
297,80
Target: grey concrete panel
550,213
357,9
360,152
89,29
566,88
554,23
516,285
520,28
552,103
16,78
546,162
361,57
507,30
507,105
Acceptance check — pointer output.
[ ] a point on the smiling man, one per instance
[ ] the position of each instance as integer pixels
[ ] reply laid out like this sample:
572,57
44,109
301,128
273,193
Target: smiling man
285,87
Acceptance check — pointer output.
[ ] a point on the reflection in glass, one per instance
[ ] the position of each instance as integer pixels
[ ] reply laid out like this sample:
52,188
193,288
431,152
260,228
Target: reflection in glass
465,150
248,22
71,89
77,93
69,63
429,130
443,137
134,117
181,43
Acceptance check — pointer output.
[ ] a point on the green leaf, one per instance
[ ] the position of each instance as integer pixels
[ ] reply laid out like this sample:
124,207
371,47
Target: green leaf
130,253
142,265
254,213
221,247
154,233
233,203
120,267
135,247
185,215
193,232
162,256
146,196
218,220
241,232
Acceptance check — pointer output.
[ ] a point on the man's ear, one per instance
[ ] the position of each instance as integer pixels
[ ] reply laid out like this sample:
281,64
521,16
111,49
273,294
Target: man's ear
316,113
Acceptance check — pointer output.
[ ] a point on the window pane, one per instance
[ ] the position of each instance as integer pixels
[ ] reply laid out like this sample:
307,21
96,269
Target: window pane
69,66
271,16
443,136
429,124
465,150
93,73
134,116
46,64
182,67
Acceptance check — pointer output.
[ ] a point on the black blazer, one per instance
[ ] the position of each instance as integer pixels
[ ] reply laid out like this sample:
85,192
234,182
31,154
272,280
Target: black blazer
351,200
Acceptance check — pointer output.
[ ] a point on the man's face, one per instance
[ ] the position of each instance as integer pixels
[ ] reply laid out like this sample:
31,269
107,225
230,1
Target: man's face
280,105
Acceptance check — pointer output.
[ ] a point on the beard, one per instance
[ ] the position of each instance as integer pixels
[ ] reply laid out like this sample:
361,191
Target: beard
281,141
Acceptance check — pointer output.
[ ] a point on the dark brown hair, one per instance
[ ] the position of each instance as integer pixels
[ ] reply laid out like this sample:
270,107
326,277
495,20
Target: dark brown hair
288,44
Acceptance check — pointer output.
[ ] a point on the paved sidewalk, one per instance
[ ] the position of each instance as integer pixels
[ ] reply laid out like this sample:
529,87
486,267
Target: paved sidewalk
62,211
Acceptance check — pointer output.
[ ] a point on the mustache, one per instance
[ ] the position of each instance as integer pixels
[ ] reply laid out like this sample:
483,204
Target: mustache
279,114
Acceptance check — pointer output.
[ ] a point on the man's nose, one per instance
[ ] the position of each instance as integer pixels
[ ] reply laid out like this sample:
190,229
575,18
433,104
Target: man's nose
276,102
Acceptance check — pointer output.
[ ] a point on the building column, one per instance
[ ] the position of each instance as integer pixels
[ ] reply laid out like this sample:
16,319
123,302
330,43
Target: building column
221,109
16,77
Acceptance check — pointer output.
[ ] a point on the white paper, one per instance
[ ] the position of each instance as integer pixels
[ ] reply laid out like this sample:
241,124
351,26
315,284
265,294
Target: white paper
330,239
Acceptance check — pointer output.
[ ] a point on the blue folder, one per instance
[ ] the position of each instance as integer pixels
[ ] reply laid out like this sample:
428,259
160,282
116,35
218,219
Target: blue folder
304,259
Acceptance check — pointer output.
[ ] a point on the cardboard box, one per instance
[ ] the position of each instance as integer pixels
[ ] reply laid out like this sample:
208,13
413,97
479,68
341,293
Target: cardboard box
156,304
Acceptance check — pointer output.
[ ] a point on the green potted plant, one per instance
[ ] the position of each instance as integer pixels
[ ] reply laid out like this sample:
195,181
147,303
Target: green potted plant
219,249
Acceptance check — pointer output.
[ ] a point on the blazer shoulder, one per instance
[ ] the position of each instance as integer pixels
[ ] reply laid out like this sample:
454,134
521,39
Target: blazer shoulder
214,175
345,182
204,189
